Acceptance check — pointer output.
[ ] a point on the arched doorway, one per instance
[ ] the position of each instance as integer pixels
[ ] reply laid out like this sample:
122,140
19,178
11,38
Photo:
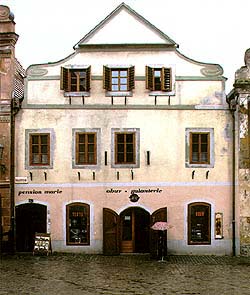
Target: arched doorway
134,229
30,218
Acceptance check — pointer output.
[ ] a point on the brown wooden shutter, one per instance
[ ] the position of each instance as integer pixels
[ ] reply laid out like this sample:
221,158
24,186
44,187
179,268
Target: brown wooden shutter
88,78
166,79
149,78
158,215
131,78
107,78
111,236
64,79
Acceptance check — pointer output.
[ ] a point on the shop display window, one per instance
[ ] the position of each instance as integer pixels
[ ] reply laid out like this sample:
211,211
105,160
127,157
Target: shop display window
199,220
77,224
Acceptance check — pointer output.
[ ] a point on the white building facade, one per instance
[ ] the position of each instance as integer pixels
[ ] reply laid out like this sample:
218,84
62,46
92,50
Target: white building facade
124,132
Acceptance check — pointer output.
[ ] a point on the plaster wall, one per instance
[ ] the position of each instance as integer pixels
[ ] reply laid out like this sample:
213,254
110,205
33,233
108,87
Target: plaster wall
161,132
175,197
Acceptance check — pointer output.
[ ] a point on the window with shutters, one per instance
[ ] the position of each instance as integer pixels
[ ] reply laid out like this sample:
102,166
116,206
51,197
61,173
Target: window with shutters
39,149
75,79
125,147
199,147
118,79
159,79
86,148
77,224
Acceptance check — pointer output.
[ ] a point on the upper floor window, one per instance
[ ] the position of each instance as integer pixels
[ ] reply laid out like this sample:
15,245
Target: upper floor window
125,148
159,79
86,148
39,149
118,79
199,148
75,79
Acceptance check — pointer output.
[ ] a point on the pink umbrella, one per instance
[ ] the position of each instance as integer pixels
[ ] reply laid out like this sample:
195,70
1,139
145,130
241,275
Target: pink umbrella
161,225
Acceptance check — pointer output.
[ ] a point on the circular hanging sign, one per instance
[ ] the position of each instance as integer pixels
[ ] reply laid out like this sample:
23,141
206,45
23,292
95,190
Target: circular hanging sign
134,198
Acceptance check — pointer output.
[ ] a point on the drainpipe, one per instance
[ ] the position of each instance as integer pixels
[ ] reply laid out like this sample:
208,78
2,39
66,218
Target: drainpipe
12,176
233,185
232,100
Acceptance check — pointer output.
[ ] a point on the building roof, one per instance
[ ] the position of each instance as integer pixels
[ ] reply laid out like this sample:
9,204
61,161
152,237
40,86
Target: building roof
125,26
19,80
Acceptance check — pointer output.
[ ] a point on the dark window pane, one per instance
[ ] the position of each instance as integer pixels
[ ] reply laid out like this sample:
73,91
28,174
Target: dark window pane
91,138
120,158
204,138
204,147
195,137
129,138
35,139
130,158
120,137
195,148
130,148
35,149
81,138
44,149
120,148
81,148
91,147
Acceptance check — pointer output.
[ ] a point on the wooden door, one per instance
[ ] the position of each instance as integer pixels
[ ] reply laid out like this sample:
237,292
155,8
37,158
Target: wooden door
158,215
111,236
127,231
30,218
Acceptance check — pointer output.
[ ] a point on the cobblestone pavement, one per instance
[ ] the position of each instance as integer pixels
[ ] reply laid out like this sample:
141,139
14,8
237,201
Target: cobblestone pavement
124,275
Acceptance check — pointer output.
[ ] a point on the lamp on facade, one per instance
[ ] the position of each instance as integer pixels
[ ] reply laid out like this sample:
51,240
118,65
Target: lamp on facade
2,166
1,151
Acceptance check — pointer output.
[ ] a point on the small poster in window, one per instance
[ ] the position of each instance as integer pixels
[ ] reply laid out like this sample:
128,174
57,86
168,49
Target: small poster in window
218,225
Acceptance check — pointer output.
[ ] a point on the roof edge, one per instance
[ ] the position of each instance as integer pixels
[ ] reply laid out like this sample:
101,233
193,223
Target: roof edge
131,11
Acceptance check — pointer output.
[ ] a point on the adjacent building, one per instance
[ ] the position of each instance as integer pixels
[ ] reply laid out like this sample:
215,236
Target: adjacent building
239,102
11,94
125,132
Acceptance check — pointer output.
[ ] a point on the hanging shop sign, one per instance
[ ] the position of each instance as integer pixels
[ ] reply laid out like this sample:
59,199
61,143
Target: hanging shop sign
134,198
